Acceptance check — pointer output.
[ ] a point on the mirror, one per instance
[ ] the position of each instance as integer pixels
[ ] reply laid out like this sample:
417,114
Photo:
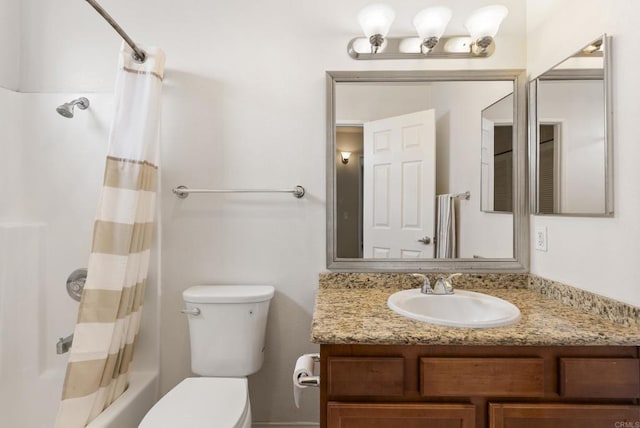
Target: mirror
496,158
571,161
399,202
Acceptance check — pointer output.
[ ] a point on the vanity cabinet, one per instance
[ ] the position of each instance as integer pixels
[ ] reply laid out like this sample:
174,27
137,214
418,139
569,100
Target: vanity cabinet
404,386
401,415
528,415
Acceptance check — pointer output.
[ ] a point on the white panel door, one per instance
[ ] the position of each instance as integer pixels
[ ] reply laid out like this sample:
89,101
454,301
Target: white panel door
399,186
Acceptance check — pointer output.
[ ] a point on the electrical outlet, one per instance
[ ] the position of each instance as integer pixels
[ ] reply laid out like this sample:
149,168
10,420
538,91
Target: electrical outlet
541,238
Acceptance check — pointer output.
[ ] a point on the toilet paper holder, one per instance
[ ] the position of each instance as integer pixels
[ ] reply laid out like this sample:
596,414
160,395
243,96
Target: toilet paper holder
306,380
309,380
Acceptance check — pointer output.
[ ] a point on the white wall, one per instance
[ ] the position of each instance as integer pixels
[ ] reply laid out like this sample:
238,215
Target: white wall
359,103
597,254
244,106
9,44
11,151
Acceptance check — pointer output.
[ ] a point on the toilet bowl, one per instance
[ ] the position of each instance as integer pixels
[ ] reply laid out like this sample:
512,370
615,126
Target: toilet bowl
201,402
227,325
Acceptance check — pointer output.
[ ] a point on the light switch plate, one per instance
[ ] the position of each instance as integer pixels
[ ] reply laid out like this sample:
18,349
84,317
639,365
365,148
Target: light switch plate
541,238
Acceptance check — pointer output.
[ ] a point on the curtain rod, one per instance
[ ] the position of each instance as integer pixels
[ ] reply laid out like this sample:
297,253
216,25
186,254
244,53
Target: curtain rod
139,55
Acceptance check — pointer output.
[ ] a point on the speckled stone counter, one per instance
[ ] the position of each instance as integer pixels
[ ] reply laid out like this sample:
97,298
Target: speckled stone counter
352,309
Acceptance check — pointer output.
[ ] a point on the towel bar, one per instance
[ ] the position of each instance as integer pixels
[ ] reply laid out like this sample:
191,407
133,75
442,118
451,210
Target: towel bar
183,191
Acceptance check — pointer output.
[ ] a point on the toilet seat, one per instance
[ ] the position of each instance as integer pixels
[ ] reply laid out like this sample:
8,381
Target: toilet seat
200,402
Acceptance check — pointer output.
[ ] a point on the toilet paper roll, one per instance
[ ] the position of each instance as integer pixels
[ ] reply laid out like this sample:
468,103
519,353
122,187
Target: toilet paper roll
304,367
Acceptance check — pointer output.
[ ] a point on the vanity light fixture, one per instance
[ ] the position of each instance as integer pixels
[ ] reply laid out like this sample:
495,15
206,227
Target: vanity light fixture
483,25
430,24
375,21
345,157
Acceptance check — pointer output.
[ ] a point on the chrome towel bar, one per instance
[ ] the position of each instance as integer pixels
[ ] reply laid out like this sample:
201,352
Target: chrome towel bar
464,195
183,191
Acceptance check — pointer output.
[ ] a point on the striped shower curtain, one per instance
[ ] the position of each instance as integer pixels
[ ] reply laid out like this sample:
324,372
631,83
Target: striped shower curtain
111,306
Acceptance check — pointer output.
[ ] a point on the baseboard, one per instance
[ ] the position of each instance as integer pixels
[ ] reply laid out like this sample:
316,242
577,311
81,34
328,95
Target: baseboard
285,424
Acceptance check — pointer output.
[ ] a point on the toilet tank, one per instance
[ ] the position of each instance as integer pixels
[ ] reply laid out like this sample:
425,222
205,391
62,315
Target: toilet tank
227,336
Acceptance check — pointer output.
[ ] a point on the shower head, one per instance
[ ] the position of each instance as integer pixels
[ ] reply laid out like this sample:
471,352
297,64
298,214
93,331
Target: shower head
66,109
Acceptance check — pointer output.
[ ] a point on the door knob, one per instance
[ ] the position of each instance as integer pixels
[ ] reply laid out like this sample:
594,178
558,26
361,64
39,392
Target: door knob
426,240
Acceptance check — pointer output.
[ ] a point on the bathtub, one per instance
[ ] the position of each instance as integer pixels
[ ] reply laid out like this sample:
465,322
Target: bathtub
129,409
34,312
34,403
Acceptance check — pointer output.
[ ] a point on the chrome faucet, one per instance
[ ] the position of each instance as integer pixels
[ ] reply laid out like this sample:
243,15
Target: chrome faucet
442,285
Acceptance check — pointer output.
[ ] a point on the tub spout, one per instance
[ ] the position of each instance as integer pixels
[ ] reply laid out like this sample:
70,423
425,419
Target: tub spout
64,344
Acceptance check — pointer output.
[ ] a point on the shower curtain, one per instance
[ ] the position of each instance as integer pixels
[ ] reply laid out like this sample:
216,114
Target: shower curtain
111,306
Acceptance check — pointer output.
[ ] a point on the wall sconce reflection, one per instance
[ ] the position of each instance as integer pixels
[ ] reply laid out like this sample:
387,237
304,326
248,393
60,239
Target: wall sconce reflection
345,157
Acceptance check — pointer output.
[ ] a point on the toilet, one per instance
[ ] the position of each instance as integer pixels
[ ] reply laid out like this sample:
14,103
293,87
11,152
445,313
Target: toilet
227,326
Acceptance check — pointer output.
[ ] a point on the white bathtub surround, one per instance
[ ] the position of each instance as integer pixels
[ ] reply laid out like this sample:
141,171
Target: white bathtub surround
109,316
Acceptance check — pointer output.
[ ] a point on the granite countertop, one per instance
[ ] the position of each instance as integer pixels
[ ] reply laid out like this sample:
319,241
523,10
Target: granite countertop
351,314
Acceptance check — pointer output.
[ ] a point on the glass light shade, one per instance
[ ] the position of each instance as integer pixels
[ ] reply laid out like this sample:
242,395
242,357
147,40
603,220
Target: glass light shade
345,156
376,19
486,21
431,22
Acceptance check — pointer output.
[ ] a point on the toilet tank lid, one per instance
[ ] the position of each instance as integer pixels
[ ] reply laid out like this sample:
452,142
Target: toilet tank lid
228,293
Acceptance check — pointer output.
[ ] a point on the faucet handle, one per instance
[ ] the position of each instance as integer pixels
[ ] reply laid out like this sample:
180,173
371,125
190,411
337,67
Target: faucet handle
453,275
426,284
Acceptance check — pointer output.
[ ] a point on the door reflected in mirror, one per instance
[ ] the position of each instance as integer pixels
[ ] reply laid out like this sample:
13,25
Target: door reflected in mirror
571,112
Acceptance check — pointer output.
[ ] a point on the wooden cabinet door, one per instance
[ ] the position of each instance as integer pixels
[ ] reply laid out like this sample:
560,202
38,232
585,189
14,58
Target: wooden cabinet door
365,376
562,416
482,377
400,415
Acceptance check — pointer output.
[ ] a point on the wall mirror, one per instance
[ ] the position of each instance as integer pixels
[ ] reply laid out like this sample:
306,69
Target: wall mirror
404,172
496,157
571,159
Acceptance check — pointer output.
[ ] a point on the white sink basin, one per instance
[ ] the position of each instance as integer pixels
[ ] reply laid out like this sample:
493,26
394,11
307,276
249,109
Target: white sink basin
461,309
